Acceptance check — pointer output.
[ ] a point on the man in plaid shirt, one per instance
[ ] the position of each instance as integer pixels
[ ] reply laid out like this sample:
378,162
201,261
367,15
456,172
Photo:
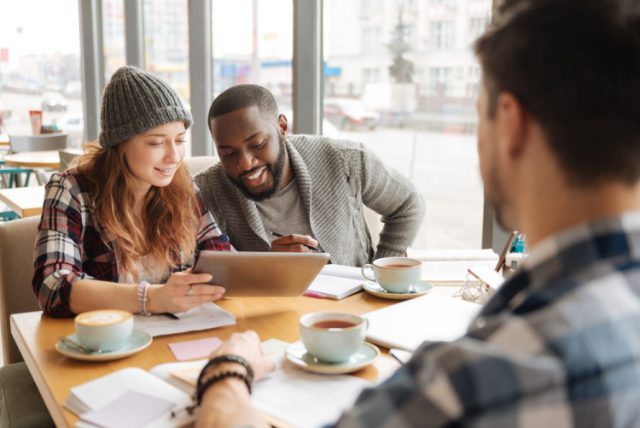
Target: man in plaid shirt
559,146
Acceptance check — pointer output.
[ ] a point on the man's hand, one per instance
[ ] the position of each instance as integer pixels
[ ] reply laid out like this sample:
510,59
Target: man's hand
295,244
247,345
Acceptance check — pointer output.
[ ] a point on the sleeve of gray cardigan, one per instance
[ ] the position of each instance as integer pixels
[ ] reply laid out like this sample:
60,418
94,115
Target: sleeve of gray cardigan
395,198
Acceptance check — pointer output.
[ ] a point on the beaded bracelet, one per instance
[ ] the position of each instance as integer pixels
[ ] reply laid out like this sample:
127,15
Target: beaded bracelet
142,297
203,384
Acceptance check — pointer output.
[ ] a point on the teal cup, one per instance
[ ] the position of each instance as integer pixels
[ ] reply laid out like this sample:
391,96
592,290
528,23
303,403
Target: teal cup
394,274
333,337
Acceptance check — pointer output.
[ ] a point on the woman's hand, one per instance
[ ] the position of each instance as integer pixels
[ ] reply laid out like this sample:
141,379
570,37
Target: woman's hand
183,291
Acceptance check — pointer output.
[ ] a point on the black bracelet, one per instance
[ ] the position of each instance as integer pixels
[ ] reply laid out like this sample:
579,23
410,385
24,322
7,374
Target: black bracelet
202,387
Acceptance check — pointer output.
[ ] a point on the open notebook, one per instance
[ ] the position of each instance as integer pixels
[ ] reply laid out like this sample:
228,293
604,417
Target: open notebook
434,317
449,267
289,397
336,282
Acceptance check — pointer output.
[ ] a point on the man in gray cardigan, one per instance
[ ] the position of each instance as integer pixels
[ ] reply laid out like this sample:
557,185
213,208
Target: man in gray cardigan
279,192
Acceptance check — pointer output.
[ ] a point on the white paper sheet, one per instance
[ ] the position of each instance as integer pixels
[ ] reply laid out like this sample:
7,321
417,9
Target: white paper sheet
201,317
434,317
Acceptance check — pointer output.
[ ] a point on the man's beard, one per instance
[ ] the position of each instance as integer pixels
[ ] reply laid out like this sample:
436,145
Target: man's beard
276,172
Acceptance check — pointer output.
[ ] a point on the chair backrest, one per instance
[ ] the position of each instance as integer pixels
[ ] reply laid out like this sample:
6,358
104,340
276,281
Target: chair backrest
195,164
37,143
66,157
17,243
372,220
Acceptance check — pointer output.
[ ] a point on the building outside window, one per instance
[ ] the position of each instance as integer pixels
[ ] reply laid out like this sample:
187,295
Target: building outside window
40,66
253,43
424,101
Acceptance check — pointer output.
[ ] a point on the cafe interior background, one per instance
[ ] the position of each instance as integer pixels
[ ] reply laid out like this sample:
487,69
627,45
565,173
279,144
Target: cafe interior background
396,75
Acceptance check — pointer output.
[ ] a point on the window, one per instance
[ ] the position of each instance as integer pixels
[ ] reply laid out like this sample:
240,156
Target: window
371,75
113,36
371,40
166,42
477,25
370,7
420,105
253,43
439,81
40,66
441,35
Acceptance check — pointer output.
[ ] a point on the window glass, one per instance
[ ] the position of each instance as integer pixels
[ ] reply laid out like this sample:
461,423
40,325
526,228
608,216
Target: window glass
113,36
253,43
40,66
166,42
404,82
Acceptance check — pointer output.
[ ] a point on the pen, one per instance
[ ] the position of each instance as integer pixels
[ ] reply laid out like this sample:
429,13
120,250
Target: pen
170,315
279,235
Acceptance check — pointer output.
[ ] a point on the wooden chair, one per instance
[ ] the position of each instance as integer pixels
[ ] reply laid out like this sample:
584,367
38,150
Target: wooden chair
17,243
20,402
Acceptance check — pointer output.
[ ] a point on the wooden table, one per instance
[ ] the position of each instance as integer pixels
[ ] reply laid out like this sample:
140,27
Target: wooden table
46,159
25,201
55,375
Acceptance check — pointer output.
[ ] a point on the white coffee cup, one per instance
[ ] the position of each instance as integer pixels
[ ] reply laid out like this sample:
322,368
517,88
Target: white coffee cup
104,330
395,274
333,337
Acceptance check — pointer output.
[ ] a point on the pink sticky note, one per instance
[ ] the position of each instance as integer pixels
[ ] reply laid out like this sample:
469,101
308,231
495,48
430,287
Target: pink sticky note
193,349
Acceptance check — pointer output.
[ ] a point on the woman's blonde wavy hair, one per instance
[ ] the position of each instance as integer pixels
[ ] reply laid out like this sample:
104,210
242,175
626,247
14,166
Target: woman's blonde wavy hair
166,233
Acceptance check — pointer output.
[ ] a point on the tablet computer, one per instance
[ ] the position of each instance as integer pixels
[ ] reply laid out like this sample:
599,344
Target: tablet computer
248,273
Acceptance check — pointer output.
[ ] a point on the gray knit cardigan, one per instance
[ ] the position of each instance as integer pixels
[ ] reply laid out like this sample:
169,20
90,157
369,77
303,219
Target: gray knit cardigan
335,178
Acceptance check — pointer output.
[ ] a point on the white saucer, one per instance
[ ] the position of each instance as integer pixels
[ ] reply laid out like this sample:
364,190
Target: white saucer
298,355
419,289
138,341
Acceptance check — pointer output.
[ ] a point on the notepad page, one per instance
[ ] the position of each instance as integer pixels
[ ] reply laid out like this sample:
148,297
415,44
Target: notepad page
201,317
99,392
434,317
337,281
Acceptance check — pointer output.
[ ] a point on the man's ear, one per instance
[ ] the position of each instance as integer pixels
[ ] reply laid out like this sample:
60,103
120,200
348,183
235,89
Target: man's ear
513,123
283,124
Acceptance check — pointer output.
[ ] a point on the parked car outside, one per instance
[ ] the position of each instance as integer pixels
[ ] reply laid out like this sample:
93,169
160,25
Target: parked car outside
54,101
349,114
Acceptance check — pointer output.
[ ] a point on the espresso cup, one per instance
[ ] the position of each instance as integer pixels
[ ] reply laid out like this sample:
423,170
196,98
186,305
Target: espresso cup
333,337
104,330
394,274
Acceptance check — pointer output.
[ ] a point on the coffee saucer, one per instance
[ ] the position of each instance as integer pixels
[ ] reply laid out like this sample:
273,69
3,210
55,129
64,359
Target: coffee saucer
298,355
138,341
419,289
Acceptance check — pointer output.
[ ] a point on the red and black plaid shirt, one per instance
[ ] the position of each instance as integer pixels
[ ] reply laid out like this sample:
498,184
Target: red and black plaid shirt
71,245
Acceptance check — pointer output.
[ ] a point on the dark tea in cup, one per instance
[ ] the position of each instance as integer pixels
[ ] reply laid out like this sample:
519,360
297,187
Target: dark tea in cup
333,324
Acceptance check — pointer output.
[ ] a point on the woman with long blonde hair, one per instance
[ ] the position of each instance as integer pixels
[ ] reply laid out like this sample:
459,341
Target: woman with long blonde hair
121,228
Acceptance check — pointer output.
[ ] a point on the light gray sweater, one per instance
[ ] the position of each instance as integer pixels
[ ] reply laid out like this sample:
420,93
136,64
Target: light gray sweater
335,179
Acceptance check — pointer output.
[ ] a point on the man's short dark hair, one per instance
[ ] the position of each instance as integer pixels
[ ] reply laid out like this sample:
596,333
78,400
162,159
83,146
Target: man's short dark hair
243,96
575,67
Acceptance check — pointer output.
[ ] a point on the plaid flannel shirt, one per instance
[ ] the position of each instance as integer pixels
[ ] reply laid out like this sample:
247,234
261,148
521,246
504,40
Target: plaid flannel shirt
557,346
71,245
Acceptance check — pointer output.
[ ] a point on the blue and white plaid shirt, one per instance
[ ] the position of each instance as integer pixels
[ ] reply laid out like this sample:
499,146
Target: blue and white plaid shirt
557,346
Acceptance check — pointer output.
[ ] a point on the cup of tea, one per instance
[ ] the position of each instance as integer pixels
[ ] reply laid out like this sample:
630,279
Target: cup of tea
333,337
104,330
394,274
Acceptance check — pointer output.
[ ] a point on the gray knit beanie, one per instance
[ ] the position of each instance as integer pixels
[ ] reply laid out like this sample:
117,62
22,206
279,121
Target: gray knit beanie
135,101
